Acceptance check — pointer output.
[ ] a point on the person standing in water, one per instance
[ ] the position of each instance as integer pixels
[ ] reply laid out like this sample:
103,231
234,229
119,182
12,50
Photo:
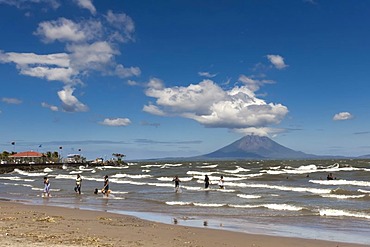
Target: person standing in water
221,183
78,184
105,189
177,184
206,182
46,187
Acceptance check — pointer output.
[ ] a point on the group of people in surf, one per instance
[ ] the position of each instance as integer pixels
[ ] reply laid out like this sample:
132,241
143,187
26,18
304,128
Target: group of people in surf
207,182
105,190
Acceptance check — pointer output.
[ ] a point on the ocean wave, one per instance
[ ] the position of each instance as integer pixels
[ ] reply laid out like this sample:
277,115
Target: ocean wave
149,166
183,179
170,165
237,170
248,196
207,166
279,207
364,191
341,213
213,205
29,174
17,179
130,176
341,182
342,196
47,169
75,172
283,188
199,173
179,203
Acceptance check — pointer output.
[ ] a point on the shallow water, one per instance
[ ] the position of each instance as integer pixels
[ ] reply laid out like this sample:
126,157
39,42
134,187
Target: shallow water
285,198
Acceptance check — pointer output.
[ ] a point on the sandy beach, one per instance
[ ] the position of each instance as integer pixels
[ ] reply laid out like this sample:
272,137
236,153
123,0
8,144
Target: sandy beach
34,225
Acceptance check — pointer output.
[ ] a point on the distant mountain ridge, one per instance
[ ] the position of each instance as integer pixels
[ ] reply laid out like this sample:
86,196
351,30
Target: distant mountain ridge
256,147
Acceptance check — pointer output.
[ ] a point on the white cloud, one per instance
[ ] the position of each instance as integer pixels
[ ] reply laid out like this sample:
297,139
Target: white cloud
69,102
342,116
87,4
116,122
206,74
123,23
13,101
253,84
51,107
261,131
95,56
61,29
212,106
277,61
152,109
27,3
123,72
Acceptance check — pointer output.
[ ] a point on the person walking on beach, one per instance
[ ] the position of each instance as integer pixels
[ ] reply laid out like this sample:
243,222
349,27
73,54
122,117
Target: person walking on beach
177,184
206,182
105,189
46,187
78,184
221,183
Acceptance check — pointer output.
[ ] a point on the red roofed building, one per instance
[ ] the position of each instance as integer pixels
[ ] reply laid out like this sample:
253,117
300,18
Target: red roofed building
27,157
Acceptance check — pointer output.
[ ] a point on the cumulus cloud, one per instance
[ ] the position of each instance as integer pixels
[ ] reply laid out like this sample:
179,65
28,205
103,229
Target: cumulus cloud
342,116
51,107
212,106
116,122
206,74
69,102
277,61
87,4
13,101
90,45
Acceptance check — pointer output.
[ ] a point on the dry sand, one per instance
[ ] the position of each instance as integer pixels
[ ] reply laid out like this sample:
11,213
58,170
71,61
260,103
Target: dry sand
33,225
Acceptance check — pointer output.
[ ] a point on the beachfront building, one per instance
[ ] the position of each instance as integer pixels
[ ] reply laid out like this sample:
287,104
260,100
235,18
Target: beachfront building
74,158
28,157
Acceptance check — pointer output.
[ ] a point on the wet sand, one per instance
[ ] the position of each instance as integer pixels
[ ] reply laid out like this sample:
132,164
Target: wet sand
34,225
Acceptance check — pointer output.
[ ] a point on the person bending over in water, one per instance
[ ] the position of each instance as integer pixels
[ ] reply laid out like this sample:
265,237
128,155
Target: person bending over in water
206,182
330,176
46,187
78,184
105,189
177,183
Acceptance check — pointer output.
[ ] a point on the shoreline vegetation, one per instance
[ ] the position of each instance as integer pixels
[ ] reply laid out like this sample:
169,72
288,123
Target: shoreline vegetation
40,225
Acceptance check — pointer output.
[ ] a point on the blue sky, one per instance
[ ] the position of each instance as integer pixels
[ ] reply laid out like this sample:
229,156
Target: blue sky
155,79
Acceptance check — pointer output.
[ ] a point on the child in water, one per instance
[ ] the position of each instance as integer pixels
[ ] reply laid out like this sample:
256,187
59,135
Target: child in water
177,184
46,187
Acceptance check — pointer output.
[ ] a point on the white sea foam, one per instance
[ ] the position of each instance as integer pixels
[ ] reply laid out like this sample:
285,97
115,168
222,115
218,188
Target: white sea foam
115,167
192,188
75,172
284,207
29,174
179,203
170,165
84,168
283,188
248,196
126,182
149,166
237,170
364,191
160,184
64,176
130,176
341,182
199,173
243,206
207,167
47,169
341,213
17,179
342,196
147,171
182,179
213,205
119,192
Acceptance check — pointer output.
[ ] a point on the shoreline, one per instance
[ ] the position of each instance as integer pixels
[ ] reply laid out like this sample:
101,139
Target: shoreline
42,225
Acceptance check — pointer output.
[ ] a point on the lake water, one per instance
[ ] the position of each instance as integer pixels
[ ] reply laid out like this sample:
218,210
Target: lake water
284,198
